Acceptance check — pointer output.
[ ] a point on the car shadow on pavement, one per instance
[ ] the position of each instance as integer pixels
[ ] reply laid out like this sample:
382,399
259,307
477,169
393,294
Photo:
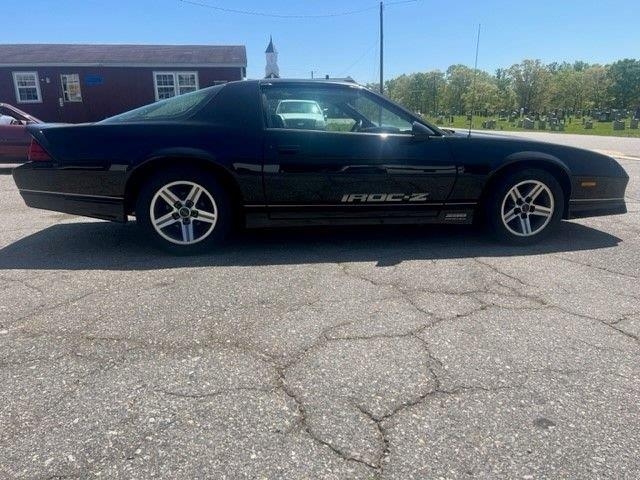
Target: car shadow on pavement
109,246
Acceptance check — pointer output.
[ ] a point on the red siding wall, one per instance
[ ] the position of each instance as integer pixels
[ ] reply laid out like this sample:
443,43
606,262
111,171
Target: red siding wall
122,89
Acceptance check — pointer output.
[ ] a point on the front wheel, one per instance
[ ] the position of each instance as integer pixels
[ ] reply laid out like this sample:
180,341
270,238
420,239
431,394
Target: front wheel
525,207
184,211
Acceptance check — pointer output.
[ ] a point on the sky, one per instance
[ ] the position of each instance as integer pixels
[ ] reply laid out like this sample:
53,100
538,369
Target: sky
419,35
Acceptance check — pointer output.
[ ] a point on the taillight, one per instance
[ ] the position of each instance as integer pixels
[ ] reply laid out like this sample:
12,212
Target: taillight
37,153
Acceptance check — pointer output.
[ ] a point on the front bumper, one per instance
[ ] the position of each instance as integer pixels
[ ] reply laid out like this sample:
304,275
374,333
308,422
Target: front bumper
597,196
581,208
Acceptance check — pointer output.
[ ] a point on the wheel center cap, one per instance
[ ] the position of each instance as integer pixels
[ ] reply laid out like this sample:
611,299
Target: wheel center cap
525,208
184,212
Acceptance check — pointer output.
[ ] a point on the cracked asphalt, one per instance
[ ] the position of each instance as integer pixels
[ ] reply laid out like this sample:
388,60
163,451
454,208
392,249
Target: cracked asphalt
359,353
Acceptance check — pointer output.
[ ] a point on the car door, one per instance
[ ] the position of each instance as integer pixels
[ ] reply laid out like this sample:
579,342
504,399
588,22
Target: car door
362,161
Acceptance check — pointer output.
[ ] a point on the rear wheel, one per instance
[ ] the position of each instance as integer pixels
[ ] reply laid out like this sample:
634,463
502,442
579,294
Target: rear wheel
184,211
525,207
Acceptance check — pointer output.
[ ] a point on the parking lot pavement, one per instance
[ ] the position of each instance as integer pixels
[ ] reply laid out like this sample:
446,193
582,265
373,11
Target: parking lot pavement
319,353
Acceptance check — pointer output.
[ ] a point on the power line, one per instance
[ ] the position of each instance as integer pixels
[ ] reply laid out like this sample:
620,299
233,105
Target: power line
360,58
280,15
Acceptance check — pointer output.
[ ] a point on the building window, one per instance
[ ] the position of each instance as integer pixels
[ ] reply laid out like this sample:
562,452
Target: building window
187,82
170,84
71,87
27,87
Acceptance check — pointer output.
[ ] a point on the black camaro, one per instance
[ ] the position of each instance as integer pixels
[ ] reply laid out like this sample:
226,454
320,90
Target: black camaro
292,152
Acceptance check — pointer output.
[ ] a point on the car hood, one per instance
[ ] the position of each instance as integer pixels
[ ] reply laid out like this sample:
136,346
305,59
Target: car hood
521,142
502,149
310,116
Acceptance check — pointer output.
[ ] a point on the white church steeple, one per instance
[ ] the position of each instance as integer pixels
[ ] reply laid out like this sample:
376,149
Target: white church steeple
271,70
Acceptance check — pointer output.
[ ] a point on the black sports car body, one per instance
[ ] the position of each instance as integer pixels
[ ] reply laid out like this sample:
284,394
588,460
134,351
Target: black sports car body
190,167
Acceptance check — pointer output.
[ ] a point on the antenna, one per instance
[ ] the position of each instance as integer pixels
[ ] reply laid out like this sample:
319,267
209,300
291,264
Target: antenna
473,87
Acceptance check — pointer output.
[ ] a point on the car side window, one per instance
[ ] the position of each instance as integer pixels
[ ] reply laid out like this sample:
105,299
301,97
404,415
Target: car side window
8,120
380,117
330,109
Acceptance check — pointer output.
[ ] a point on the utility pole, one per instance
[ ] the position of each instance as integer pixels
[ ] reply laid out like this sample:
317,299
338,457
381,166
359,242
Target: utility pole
381,47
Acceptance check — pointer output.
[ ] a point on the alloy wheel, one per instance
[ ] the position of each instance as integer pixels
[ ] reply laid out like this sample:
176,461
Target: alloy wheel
527,208
183,212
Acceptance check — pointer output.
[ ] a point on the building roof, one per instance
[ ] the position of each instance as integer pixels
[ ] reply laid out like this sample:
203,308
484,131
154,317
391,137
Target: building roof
123,55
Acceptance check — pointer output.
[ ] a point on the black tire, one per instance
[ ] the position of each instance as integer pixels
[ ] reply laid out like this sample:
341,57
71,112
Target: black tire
214,199
533,227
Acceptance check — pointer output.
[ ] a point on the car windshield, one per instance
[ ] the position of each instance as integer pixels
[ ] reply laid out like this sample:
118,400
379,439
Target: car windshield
17,114
168,109
298,107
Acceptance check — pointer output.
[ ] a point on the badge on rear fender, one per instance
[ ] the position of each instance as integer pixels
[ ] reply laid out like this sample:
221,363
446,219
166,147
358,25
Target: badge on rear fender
384,197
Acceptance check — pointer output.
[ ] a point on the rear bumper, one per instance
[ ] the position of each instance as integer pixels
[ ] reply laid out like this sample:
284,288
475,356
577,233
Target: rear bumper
105,208
581,208
66,191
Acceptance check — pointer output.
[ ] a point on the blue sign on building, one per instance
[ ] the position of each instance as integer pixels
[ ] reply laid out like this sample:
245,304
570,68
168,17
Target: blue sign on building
93,80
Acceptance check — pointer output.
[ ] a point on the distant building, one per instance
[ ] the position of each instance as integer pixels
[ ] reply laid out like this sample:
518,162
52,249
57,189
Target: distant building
271,70
83,83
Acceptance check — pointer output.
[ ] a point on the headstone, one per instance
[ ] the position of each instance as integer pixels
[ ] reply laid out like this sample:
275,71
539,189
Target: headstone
588,125
634,124
528,124
619,125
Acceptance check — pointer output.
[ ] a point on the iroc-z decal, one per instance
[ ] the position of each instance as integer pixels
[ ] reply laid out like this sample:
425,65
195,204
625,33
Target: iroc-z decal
384,197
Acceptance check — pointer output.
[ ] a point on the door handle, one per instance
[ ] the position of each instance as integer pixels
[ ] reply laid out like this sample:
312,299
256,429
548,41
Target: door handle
288,149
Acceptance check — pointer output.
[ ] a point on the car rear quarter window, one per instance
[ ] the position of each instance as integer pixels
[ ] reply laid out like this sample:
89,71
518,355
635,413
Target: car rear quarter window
178,107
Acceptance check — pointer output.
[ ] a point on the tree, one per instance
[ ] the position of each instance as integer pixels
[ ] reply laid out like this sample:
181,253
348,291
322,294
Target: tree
421,92
506,96
435,88
625,83
532,85
568,90
483,98
598,85
459,81
531,81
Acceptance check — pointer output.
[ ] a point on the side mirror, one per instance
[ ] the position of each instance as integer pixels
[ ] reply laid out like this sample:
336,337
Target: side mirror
420,131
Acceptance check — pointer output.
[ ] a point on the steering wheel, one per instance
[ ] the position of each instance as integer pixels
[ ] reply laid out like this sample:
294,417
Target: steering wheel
357,126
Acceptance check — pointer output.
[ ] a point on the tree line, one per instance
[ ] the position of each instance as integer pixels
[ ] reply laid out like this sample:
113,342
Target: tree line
530,87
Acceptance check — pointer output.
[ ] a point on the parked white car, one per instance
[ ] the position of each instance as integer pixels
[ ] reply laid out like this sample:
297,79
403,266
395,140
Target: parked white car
304,114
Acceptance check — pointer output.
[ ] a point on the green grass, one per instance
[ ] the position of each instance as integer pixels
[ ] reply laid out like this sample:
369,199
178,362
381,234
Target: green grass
604,129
